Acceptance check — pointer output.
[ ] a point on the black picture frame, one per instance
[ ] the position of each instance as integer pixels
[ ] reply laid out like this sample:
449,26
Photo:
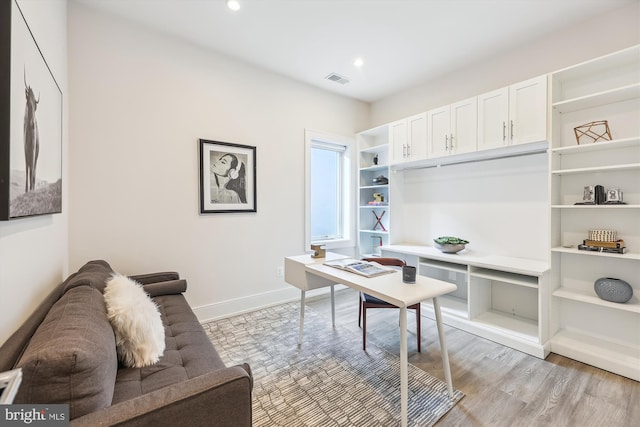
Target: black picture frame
30,123
227,177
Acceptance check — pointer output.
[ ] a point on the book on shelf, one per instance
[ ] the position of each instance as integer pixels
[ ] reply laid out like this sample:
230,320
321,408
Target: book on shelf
602,249
616,244
363,268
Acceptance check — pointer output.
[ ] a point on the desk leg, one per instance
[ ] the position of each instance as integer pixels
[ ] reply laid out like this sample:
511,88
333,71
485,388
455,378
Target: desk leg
404,367
333,306
443,347
302,295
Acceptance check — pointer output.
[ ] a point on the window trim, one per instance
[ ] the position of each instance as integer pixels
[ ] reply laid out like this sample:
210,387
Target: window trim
316,138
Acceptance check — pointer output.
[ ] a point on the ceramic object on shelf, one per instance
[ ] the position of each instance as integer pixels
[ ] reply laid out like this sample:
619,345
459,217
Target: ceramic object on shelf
450,245
449,248
613,290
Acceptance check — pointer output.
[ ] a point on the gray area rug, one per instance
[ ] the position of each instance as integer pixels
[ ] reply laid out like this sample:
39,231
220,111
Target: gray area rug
329,380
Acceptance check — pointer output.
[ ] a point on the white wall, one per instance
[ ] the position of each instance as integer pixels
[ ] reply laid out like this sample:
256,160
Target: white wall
499,205
607,33
139,103
33,251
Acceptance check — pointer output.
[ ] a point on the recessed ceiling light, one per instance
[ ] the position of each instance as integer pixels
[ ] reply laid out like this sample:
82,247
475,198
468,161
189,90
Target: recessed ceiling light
359,62
233,5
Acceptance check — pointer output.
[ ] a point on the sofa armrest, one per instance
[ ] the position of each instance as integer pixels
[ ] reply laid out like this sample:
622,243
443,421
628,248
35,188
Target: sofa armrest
221,398
155,277
170,287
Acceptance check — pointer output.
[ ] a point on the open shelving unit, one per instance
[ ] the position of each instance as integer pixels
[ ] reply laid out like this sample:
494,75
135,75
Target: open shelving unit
373,144
499,298
583,326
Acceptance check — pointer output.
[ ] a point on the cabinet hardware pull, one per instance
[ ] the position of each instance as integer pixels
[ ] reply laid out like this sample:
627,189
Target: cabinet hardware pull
408,150
446,142
451,143
511,130
404,150
504,130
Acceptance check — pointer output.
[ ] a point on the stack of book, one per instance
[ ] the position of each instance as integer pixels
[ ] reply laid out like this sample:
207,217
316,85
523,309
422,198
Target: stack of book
616,247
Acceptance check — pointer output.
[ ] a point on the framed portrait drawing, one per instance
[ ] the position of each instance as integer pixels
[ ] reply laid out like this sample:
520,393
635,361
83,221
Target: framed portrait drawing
30,123
227,177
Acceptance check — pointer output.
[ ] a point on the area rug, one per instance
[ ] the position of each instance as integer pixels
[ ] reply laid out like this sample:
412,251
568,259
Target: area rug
329,380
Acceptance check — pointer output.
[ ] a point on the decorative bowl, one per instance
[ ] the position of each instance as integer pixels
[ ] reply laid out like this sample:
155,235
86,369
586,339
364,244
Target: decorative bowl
449,248
450,244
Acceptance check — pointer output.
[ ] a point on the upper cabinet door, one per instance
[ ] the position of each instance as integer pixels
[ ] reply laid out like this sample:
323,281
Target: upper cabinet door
493,119
464,131
398,141
417,126
438,132
528,111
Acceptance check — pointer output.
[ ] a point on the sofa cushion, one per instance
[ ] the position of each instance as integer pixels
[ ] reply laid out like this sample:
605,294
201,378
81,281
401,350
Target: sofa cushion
136,322
188,353
71,357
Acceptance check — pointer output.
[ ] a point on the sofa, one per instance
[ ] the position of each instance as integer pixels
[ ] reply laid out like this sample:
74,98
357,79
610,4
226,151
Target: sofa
67,352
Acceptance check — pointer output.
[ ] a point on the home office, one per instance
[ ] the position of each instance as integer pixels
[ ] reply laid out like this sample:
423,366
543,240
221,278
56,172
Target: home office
136,101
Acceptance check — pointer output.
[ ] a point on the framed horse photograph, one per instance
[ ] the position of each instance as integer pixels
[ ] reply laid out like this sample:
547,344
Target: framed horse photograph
30,123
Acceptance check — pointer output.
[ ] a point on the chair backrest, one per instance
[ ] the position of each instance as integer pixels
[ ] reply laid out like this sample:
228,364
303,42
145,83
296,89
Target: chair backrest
387,261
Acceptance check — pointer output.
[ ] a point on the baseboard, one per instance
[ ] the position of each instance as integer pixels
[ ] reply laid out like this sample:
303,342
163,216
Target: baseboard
242,305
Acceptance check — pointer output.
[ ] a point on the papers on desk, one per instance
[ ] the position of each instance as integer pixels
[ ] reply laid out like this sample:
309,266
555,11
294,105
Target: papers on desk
363,268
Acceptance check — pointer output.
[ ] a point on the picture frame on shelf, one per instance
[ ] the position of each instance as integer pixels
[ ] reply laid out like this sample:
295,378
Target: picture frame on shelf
614,196
227,177
30,123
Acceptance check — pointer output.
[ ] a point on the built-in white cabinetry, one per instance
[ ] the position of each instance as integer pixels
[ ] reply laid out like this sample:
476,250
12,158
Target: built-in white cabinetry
408,139
583,326
373,196
513,115
499,298
452,129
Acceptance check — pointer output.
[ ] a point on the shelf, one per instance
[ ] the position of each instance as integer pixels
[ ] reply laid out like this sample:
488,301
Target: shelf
598,146
601,98
443,265
616,168
574,251
375,149
374,168
598,351
374,206
508,324
589,297
503,276
450,305
595,206
374,231
364,187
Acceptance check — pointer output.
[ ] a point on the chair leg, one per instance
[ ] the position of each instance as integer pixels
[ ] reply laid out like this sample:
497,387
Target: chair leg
418,325
359,310
364,327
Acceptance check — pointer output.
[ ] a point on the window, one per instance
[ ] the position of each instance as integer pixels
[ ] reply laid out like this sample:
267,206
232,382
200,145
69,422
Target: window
329,212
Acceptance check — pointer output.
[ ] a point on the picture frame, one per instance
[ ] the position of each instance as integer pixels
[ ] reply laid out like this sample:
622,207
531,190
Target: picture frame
614,196
30,123
227,177
9,384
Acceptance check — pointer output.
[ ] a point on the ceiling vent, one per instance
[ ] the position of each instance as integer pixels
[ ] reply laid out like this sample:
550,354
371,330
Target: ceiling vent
337,78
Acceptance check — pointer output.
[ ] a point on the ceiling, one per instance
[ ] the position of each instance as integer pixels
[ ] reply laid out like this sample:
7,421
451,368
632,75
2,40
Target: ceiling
403,43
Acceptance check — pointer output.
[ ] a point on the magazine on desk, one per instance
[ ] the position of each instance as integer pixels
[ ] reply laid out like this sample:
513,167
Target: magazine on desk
363,268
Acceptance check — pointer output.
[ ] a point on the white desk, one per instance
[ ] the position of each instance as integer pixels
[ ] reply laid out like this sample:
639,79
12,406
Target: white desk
306,273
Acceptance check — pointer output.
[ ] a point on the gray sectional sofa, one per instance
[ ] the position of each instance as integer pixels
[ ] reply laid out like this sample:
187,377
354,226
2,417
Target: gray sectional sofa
67,352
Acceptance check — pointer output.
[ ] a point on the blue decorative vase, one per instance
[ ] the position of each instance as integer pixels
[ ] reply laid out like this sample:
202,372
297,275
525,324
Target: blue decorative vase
614,290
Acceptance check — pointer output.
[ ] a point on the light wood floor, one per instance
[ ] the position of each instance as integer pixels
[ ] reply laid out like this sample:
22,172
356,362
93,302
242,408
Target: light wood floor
502,386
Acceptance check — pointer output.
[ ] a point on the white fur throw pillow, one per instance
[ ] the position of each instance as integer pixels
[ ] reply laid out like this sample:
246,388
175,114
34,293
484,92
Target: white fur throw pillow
136,322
